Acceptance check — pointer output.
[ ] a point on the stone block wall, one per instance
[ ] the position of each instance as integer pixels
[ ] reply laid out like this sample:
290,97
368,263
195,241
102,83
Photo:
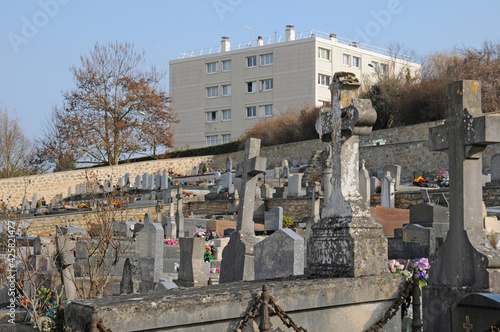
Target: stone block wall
45,225
406,146
295,208
203,208
412,133
55,185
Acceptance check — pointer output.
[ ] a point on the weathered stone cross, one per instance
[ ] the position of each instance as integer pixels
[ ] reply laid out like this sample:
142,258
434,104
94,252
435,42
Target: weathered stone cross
251,166
238,256
349,118
466,257
346,242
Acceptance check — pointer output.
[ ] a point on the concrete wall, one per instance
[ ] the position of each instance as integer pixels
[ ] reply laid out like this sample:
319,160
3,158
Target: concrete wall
341,304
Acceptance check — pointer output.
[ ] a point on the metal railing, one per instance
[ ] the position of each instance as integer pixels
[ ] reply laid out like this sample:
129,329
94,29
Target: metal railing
298,35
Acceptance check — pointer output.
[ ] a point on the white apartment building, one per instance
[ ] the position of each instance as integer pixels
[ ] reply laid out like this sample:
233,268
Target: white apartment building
220,92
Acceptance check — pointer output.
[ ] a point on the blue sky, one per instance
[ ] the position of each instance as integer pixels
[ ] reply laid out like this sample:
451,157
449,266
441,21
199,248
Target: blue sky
40,40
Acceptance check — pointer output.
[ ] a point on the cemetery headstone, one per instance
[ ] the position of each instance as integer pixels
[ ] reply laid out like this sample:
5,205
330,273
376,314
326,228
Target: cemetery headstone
148,218
238,257
179,216
265,191
395,171
149,251
137,182
132,276
346,241
192,265
295,186
466,262
286,168
364,184
150,182
144,182
388,195
273,219
279,255
164,182
65,262
495,169
315,209
477,312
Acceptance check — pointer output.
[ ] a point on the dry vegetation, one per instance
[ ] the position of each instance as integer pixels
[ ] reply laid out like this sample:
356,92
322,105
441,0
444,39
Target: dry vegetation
287,127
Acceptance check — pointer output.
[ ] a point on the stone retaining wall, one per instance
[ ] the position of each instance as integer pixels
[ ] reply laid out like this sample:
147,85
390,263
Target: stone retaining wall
406,146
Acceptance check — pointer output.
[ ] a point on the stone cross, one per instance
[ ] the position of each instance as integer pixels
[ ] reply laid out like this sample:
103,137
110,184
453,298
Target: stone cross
238,256
464,136
466,262
179,216
350,118
346,241
251,167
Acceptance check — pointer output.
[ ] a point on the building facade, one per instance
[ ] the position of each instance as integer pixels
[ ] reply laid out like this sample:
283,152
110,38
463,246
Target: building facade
220,93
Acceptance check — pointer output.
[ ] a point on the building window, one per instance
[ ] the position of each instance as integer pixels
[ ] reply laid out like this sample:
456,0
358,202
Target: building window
375,68
212,140
384,69
226,90
212,116
212,92
211,67
226,138
226,115
347,60
266,85
356,62
323,80
324,54
251,112
252,61
226,65
266,110
266,59
251,87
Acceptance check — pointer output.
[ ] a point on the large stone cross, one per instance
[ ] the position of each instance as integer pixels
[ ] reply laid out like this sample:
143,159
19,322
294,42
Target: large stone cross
238,256
249,169
346,242
464,136
349,118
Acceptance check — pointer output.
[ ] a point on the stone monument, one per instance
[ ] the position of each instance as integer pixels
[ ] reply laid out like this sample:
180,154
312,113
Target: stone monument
466,263
346,242
238,256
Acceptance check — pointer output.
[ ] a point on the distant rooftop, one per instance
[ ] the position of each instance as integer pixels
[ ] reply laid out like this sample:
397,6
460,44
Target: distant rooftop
298,35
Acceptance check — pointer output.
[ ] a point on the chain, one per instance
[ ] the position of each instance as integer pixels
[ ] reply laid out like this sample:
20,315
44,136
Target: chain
250,315
284,317
403,297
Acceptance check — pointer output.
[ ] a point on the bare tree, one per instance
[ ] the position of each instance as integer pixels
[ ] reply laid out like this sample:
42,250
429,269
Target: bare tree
16,149
117,109
55,151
